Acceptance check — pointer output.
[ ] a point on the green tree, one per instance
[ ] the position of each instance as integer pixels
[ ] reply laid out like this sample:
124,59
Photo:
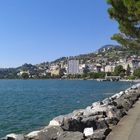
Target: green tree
96,75
127,14
137,73
25,75
119,71
128,71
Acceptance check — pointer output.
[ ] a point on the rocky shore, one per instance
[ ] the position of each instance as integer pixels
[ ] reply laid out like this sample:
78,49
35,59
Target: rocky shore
93,123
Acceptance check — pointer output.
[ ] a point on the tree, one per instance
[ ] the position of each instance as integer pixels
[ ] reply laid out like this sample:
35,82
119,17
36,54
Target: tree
25,75
128,71
119,70
127,14
137,73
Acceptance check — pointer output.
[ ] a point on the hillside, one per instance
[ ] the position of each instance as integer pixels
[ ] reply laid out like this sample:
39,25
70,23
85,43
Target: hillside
105,55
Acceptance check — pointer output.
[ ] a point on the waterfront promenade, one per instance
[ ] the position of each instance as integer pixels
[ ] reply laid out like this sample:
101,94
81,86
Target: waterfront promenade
129,127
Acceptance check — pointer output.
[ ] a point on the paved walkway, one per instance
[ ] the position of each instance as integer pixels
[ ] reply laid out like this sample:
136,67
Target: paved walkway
129,127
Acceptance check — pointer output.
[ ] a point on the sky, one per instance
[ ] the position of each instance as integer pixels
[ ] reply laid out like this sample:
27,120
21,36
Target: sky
35,31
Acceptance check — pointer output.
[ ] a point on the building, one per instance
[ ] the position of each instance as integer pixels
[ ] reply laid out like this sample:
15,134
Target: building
109,68
134,64
73,67
55,72
81,68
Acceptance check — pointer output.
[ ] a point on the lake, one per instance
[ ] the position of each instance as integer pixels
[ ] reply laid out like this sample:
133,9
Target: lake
27,105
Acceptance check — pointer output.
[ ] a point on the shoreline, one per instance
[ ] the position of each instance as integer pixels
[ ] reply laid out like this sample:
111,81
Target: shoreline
128,128
121,80
96,121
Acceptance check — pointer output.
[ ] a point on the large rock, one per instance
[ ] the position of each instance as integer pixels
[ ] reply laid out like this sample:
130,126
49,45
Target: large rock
117,95
58,121
124,103
102,124
115,113
111,121
106,101
33,135
77,113
96,104
15,137
95,110
89,122
50,133
70,124
71,136
132,97
94,122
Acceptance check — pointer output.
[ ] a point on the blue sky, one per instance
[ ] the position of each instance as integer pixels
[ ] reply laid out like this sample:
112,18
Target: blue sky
34,31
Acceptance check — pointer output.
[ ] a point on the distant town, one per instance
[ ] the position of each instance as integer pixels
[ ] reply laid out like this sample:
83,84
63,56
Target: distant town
109,60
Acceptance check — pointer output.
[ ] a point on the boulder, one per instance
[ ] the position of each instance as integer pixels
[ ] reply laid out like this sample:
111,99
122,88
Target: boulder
89,122
58,121
106,101
134,87
50,133
101,124
118,95
132,97
70,124
94,122
71,136
14,137
33,135
77,113
111,121
96,104
115,113
123,103
96,110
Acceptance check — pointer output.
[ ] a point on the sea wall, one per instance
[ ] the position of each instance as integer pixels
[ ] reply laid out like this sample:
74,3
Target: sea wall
93,123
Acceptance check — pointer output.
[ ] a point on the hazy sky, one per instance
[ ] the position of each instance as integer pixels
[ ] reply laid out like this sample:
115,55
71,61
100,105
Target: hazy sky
34,31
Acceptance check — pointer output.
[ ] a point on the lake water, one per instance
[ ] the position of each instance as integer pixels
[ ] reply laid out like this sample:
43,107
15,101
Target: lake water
27,105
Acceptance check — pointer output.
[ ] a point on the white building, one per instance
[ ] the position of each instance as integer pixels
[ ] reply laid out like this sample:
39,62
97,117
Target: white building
134,64
73,67
81,68
109,68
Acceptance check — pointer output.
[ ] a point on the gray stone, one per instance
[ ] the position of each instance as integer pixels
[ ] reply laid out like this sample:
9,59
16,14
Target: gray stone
15,137
71,136
115,113
70,124
94,122
33,135
89,122
102,124
106,101
50,133
111,121
96,110
58,121
124,103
